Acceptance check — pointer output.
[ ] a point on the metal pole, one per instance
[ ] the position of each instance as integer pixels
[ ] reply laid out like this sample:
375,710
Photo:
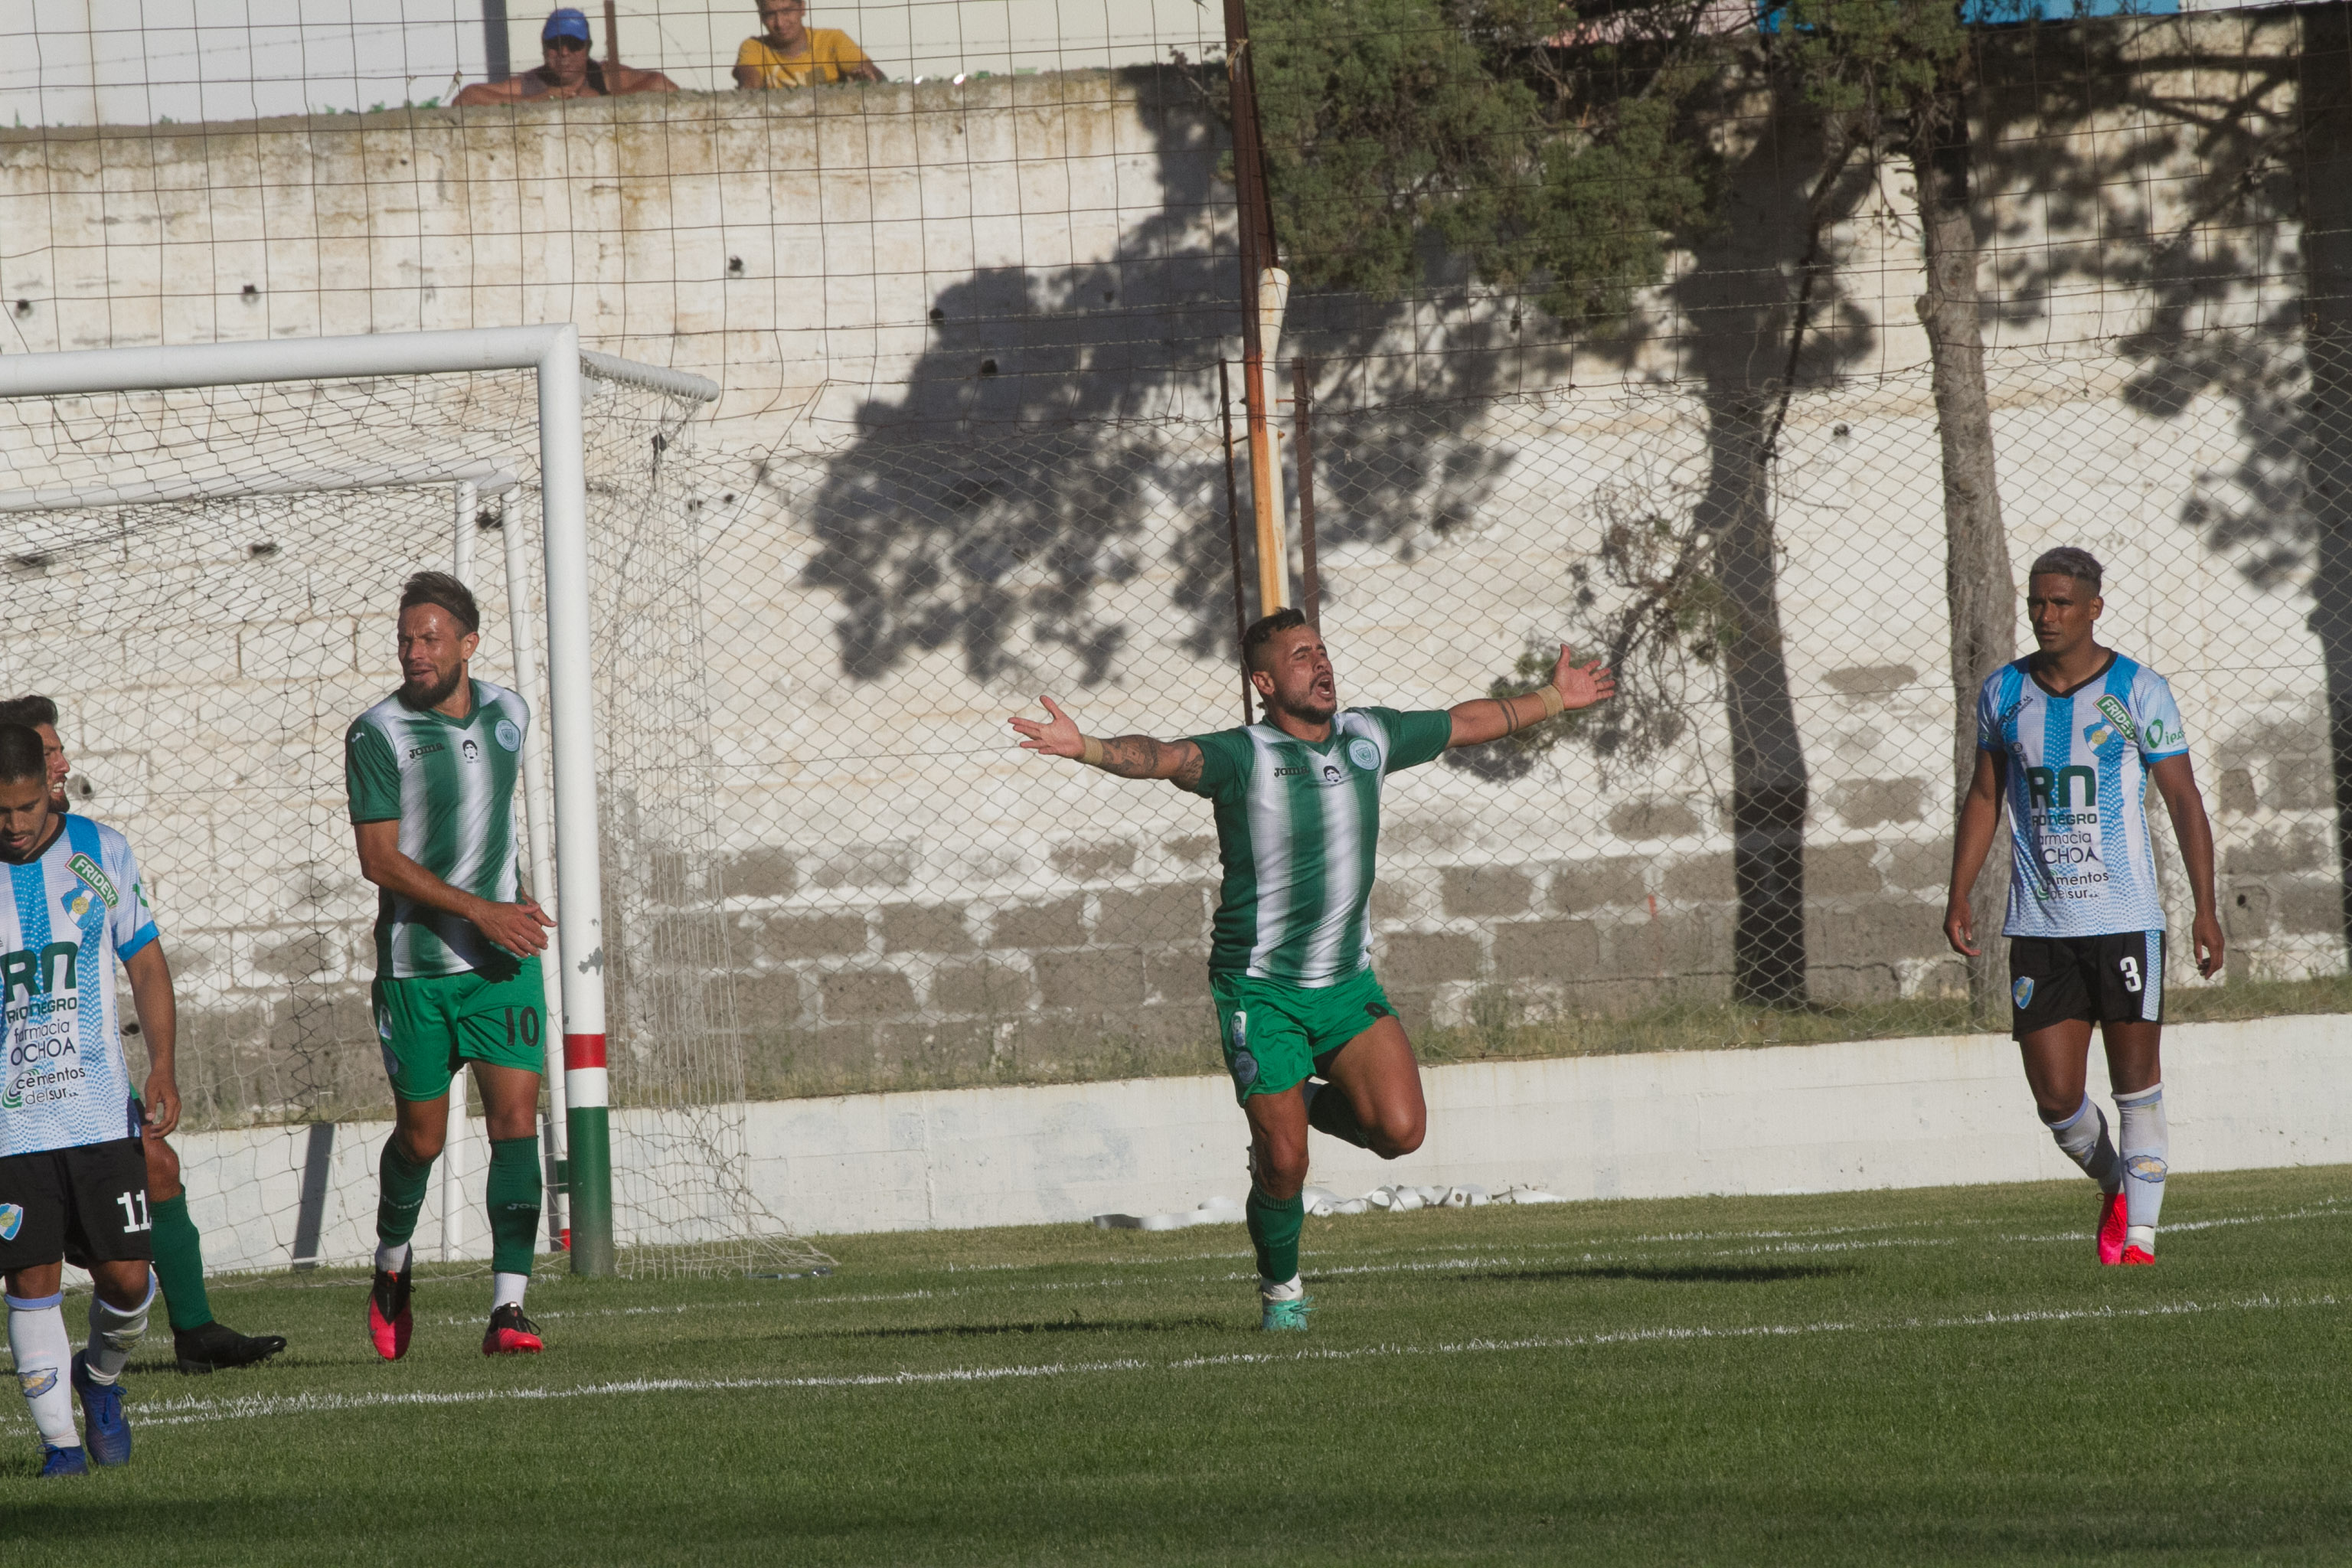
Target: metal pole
1261,285
537,811
564,515
1302,409
1234,528
498,63
453,1143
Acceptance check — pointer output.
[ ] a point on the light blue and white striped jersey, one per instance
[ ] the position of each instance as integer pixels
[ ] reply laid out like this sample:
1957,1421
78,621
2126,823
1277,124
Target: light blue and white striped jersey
77,911
2075,780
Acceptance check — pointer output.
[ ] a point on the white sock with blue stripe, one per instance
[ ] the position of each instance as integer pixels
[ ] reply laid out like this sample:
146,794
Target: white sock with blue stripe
2145,1145
37,1339
114,1331
2083,1137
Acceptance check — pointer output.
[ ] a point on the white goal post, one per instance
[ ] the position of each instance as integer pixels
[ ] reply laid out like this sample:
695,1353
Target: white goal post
553,354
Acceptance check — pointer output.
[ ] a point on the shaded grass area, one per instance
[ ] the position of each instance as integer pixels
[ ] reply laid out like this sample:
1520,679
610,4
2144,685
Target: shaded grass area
1939,1376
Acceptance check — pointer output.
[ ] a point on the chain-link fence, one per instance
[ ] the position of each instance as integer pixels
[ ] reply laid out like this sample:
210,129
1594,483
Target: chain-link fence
920,902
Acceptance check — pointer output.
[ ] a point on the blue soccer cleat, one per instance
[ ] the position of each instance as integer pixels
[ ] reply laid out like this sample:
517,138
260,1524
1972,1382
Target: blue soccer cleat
55,1461
1288,1317
103,1422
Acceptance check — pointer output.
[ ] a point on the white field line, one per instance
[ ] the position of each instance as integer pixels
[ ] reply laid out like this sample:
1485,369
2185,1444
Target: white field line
193,1411
1552,1255
2326,1208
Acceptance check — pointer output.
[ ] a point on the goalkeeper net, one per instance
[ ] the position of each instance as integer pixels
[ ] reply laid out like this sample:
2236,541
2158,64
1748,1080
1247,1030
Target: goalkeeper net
205,581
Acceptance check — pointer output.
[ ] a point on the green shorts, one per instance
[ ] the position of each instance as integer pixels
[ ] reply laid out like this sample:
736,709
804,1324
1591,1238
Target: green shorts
429,1023
1276,1035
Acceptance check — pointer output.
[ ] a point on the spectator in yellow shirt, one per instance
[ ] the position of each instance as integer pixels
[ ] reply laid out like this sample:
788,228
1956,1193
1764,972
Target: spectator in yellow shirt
793,54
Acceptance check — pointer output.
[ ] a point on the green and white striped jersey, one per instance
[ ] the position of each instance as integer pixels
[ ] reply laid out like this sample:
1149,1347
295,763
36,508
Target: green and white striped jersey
1297,825
451,787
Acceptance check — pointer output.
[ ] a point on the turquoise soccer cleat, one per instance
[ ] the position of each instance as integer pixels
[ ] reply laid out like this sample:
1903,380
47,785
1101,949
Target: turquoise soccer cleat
1286,1317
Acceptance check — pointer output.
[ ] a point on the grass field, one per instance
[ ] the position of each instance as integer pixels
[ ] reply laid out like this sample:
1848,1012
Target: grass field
1875,1378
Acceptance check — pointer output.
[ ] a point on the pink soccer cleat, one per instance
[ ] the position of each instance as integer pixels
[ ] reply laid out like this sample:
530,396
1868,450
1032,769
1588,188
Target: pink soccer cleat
2134,1256
389,1320
2111,1229
511,1333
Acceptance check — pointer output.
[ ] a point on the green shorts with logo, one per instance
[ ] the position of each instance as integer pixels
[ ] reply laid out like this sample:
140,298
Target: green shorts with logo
1276,1035
430,1023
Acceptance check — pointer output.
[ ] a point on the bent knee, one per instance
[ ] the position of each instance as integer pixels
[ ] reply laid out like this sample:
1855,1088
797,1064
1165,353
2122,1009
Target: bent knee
1395,1137
421,1148
163,1171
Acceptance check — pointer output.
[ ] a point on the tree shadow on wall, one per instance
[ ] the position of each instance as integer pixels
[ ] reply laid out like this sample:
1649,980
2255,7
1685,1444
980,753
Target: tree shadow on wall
1059,435
2253,152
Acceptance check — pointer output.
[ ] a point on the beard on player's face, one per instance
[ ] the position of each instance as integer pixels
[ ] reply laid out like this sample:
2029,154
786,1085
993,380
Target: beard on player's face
430,688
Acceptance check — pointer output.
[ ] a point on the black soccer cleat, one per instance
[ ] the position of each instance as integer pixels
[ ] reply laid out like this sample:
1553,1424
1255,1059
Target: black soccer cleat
216,1347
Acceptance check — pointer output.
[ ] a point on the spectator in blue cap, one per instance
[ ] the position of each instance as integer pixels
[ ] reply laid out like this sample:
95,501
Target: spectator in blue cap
567,72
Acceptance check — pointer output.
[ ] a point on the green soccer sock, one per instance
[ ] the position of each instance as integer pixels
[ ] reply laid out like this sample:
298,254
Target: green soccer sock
1274,1228
180,1264
514,1203
1330,1112
401,1194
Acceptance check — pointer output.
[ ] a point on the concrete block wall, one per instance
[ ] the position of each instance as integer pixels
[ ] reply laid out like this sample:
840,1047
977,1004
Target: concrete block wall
906,899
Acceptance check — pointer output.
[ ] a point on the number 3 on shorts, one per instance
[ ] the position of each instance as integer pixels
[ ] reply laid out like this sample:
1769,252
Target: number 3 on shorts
2130,967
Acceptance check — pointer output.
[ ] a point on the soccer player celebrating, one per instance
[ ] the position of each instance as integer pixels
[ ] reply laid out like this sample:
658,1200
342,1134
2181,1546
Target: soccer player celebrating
199,1342
2070,737
432,776
1308,1034
73,1167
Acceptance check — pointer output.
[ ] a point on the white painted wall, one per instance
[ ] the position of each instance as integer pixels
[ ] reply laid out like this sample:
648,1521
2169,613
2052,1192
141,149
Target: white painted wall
136,62
1878,1113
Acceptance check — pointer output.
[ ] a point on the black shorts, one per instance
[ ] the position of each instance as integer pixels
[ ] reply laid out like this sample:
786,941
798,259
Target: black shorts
90,1201
2113,979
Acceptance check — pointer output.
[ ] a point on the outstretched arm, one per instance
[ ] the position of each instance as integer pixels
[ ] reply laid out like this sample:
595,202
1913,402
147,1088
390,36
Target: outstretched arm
1128,756
1573,686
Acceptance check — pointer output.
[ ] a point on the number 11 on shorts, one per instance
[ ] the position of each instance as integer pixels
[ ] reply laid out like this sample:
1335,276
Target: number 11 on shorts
134,1212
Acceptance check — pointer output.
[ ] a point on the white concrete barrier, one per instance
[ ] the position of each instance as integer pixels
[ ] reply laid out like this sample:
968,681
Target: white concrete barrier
1874,1113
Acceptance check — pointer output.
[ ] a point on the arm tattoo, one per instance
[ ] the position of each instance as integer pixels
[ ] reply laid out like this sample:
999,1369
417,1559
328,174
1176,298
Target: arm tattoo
1142,757
1131,757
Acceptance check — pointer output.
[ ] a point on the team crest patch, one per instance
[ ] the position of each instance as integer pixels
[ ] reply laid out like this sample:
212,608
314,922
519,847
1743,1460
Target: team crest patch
1244,1065
2021,990
1364,754
12,1220
76,901
507,735
87,869
36,1383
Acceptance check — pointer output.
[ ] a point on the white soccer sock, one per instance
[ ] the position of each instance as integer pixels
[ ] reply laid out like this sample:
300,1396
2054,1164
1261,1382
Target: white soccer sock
392,1256
36,1337
2083,1136
2145,1145
506,1290
1290,1290
113,1332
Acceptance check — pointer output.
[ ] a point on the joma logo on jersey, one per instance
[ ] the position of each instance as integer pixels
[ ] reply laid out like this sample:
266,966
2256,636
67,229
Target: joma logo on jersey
2056,792
435,750
37,974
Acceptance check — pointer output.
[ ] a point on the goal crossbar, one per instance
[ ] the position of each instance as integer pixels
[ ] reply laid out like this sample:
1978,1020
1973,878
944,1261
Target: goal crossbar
488,478
554,354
